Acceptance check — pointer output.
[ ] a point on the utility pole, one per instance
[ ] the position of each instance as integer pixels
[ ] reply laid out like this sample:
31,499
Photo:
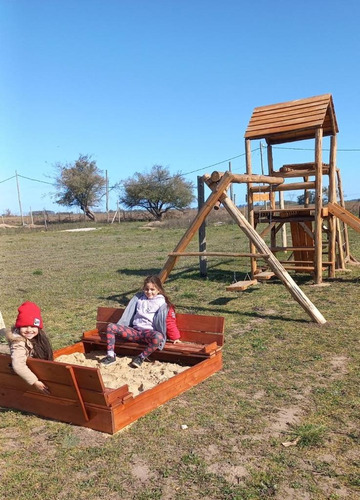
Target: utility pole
107,195
231,186
18,191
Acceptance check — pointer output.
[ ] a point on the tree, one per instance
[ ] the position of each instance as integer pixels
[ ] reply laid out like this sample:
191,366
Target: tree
157,191
80,184
311,196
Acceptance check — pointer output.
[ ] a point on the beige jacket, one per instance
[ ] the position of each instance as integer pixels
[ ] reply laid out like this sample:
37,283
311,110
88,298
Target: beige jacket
20,349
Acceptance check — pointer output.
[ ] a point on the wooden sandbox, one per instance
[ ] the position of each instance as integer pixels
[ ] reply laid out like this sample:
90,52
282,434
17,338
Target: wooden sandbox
78,395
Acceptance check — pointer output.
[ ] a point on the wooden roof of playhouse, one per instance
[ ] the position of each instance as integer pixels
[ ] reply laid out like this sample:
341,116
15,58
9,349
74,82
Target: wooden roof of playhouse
293,120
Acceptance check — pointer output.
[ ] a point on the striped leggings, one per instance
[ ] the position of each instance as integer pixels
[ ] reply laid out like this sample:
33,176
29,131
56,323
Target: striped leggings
150,337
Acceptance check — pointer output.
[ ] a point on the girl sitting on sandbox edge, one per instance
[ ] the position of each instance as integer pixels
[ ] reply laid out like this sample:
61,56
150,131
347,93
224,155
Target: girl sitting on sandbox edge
149,318
28,339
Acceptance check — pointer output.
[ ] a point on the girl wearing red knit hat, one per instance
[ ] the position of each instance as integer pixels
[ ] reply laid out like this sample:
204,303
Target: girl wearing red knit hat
27,339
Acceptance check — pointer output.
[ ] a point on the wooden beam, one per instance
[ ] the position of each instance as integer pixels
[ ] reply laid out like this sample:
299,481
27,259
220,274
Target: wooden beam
342,204
293,186
344,215
248,178
318,205
77,390
292,249
333,222
267,229
272,261
219,254
202,228
250,202
200,217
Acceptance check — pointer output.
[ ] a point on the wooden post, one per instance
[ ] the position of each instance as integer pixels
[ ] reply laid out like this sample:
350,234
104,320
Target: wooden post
250,204
342,203
272,261
272,194
283,228
307,193
337,232
270,159
202,228
333,224
45,219
200,217
231,185
318,206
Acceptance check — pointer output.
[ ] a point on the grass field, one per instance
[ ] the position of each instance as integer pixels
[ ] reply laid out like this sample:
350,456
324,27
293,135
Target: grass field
285,379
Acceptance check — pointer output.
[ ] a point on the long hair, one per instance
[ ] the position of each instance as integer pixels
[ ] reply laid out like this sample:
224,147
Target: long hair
41,346
155,280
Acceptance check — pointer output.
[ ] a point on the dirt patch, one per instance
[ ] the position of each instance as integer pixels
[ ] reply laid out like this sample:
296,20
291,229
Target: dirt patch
119,373
338,365
140,470
285,418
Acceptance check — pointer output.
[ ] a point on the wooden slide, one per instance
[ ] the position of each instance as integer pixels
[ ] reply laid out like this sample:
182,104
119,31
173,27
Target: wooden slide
344,215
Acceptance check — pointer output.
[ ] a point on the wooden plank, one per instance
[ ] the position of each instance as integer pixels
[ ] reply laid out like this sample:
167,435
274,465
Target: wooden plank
65,410
239,286
290,249
78,394
114,396
305,269
155,397
261,196
264,275
61,382
344,215
185,348
71,349
189,322
5,364
200,323
302,239
107,315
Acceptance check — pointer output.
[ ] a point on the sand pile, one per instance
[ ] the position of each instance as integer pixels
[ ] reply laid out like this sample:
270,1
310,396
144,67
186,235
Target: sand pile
119,373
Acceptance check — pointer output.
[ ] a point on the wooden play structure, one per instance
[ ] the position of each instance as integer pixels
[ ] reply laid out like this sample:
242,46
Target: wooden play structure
78,395
319,233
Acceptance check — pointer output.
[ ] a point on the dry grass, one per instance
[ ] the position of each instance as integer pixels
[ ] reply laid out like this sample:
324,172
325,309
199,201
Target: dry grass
285,379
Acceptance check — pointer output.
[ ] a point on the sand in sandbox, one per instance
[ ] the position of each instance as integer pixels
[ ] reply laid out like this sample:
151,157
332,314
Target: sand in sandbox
119,373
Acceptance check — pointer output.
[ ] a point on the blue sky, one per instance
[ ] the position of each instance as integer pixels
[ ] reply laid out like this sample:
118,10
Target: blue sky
136,83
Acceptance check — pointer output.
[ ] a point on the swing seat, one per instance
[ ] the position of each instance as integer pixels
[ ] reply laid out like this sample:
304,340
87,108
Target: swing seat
240,286
264,275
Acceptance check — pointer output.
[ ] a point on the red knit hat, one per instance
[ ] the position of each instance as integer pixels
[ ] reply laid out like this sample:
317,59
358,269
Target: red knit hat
29,315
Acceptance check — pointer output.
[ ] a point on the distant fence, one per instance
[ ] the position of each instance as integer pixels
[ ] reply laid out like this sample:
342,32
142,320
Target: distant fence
45,217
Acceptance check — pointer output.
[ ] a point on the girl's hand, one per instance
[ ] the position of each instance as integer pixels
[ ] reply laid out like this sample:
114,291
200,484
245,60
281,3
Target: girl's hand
41,387
178,341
